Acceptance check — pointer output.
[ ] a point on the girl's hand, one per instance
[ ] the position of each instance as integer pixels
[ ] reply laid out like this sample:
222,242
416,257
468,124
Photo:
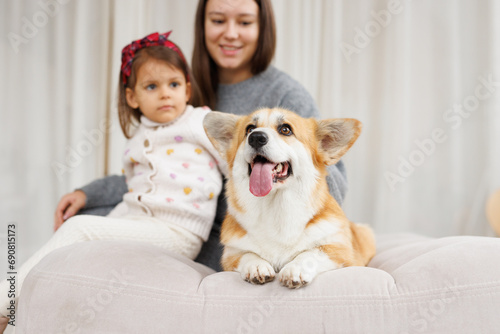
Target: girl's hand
68,206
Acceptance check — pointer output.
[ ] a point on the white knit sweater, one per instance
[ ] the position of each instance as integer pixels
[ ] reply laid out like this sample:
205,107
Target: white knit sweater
173,173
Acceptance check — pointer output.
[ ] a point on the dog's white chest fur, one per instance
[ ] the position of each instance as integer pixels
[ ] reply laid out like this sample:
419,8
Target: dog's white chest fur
277,235
276,226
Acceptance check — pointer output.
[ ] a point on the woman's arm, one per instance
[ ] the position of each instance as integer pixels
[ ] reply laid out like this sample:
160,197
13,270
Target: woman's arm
97,198
107,191
337,181
68,206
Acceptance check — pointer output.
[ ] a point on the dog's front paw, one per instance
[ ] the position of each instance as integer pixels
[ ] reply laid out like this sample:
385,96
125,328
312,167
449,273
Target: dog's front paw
292,276
257,271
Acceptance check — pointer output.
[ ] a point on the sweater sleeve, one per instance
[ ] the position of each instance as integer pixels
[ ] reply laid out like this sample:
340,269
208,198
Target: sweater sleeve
337,181
301,102
107,191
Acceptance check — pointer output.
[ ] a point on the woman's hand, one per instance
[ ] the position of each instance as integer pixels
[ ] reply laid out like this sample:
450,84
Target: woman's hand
68,206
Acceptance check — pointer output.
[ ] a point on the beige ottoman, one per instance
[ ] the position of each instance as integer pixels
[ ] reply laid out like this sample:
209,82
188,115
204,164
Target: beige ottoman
413,285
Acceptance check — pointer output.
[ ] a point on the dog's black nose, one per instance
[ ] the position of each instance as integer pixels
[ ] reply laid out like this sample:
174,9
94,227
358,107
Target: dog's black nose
257,139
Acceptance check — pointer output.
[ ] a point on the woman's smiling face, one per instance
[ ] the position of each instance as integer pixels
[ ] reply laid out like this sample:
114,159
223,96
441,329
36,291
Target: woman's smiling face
231,36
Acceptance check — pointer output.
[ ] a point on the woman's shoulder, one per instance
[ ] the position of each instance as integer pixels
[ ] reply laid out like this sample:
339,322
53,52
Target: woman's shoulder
292,94
269,89
274,74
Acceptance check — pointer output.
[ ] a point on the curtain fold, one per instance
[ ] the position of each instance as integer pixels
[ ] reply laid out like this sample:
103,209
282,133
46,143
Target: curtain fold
53,87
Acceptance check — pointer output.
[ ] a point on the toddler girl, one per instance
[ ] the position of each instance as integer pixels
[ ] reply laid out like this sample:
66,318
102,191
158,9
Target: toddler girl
171,167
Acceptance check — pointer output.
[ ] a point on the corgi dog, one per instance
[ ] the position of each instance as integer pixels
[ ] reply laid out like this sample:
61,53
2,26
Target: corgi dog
281,217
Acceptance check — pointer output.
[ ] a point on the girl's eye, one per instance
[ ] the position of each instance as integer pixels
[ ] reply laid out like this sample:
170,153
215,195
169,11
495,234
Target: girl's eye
217,21
285,130
174,84
250,128
246,23
150,87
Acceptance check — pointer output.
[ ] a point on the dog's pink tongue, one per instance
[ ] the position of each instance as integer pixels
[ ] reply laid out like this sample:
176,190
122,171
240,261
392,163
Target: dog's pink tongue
261,178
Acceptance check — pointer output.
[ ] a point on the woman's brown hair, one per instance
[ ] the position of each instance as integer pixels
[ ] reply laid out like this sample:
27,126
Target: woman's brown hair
205,69
129,116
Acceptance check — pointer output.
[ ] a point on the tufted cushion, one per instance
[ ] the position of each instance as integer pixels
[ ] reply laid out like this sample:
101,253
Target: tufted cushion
413,285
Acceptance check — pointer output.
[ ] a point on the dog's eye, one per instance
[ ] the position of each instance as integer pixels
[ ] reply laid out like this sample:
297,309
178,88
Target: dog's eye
285,130
250,128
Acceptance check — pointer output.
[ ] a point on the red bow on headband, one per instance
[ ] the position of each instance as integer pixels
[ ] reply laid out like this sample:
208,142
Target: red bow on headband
128,52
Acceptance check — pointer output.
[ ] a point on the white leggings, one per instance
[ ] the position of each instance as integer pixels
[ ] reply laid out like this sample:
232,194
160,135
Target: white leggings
86,228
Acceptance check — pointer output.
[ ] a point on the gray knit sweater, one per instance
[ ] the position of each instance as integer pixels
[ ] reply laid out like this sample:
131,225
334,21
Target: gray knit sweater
271,88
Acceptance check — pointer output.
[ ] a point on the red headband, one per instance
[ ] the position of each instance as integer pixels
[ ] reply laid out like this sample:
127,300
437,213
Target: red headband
128,52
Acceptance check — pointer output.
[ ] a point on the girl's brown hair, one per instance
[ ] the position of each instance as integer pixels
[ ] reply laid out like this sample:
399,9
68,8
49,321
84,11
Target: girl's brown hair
205,69
129,116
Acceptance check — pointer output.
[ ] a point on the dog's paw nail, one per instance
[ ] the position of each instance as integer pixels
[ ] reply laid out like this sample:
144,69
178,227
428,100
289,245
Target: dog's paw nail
292,277
258,272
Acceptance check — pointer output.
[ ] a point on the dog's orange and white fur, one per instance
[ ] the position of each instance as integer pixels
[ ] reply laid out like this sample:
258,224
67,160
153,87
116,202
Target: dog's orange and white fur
281,217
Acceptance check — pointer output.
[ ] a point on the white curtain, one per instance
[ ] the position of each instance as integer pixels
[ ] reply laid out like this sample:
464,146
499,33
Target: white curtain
423,76
54,66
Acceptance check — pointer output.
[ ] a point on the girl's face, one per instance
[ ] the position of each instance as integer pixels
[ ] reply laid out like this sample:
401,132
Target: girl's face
161,92
231,35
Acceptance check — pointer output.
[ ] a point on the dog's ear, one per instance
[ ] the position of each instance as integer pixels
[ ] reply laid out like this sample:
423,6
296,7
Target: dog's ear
336,136
220,128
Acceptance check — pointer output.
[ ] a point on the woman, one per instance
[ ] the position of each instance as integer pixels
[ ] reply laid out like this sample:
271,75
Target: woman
233,48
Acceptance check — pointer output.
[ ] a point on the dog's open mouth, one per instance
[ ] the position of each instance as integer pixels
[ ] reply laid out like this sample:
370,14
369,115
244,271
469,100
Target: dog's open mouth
263,173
